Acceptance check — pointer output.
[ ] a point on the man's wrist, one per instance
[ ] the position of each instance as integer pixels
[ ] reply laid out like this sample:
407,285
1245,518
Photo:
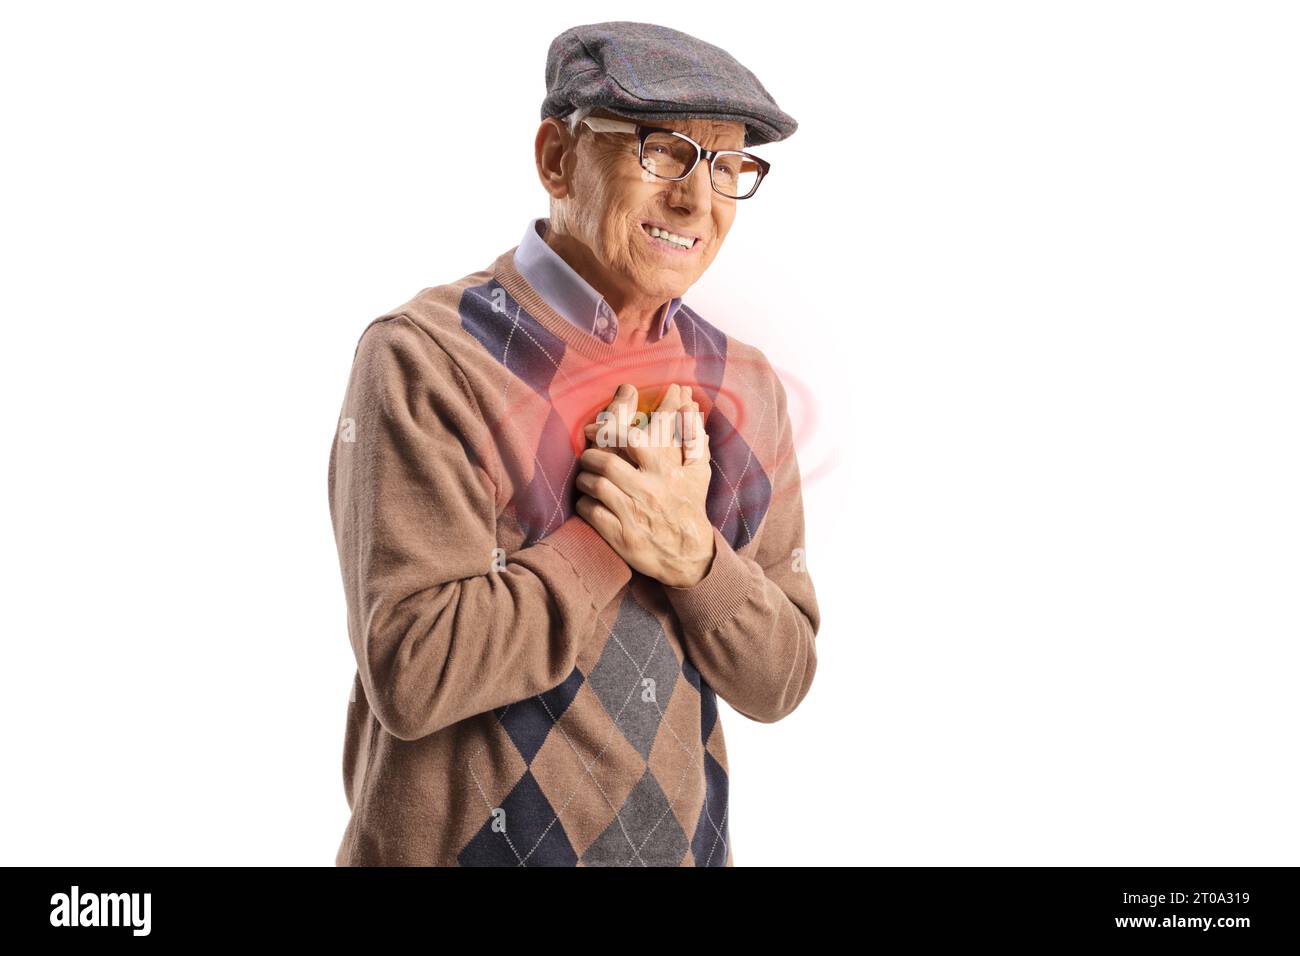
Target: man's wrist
714,599
698,570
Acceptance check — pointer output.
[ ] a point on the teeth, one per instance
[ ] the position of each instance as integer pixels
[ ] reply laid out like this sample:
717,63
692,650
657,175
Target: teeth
672,237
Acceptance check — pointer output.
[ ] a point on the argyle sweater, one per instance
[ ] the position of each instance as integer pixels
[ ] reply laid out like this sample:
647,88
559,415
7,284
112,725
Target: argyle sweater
522,696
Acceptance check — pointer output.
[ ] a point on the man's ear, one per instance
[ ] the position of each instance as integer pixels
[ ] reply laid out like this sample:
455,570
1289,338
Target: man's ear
552,143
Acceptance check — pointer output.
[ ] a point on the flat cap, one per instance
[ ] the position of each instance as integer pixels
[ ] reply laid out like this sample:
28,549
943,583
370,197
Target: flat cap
645,71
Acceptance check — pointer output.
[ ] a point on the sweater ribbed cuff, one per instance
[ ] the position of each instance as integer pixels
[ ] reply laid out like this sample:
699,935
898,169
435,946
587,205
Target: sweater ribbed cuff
718,595
600,568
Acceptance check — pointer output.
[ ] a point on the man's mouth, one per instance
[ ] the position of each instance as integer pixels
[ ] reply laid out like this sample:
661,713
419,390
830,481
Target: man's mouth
666,238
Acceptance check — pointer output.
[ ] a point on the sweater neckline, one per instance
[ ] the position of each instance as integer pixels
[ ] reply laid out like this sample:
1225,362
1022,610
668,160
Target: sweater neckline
504,271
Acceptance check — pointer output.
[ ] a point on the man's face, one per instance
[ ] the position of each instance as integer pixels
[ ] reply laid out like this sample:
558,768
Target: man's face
613,201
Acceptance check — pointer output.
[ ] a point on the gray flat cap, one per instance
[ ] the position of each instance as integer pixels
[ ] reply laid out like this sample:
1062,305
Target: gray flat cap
649,72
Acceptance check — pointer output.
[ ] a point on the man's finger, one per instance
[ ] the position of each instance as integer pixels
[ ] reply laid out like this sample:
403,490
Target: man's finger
663,421
670,399
687,416
606,491
695,440
611,465
625,394
601,518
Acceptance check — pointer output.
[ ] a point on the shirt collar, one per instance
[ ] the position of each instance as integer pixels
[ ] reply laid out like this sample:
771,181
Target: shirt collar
568,293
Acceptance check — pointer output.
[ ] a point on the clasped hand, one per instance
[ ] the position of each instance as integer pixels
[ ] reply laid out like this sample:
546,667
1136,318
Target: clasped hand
647,497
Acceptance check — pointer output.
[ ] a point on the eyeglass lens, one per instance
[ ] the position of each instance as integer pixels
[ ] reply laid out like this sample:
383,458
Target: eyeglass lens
669,156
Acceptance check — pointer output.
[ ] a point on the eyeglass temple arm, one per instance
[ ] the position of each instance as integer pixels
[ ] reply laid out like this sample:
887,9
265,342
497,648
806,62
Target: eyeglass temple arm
603,124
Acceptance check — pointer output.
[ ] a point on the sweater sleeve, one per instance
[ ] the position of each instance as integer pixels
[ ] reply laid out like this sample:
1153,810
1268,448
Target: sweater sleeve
750,623
441,626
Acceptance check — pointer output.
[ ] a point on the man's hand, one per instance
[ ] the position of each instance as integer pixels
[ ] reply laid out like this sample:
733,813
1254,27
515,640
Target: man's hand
625,398
648,499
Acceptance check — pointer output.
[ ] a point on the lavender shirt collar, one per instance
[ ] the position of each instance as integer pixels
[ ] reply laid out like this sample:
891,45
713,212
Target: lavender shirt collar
569,293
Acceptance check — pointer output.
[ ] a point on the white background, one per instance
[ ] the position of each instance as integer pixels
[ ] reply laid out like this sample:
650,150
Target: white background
1036,264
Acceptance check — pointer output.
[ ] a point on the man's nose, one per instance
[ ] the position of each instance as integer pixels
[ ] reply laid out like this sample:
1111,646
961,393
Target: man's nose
695,191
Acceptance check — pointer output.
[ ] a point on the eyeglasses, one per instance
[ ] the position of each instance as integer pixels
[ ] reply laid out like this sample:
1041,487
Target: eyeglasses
668,154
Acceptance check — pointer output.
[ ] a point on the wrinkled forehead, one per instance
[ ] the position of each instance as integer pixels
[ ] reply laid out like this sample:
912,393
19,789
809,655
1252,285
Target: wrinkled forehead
712,134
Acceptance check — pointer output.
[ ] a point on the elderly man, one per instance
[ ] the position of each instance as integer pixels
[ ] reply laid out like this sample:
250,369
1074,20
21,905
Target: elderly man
545,603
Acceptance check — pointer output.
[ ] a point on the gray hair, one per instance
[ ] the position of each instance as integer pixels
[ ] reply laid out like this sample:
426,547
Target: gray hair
576,117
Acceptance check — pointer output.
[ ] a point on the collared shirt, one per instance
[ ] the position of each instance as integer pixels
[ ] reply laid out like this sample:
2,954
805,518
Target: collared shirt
568,293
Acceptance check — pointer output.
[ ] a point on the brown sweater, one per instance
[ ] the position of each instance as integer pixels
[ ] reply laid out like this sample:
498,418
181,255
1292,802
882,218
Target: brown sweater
522,696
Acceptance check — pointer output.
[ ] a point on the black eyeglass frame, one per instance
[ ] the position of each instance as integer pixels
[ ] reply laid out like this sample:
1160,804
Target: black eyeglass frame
607,125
